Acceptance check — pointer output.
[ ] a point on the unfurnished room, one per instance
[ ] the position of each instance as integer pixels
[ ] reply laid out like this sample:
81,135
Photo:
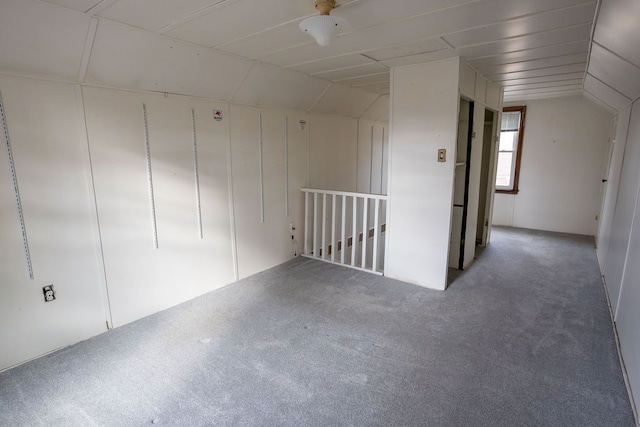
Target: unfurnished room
319,213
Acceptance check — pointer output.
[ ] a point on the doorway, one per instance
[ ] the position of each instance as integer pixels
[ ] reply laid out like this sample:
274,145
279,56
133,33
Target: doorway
486,177
460,211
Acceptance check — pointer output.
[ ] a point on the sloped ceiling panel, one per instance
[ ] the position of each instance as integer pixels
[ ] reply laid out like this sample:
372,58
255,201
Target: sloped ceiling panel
551,51
154,15
614,71
379,110
352,72
246,17
420,58
581,14
79,5
379,88
127,57
613,75
266,42
606,94
618,30
270,85
344,101
421,46
368,79
332,64
586,95
51,45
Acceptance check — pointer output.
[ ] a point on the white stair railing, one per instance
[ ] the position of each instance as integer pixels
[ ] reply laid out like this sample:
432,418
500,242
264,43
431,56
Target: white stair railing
345,228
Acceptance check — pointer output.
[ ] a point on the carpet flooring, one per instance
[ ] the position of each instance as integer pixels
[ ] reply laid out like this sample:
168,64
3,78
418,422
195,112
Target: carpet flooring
522,338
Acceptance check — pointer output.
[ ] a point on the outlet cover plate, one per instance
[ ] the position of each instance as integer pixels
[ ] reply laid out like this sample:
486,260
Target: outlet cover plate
49,293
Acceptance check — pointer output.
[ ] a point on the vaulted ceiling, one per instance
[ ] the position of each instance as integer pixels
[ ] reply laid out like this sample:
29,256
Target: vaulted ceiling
531,47
614,65
534,48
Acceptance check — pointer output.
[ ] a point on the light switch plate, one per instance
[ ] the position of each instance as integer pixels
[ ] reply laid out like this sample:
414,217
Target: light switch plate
442,155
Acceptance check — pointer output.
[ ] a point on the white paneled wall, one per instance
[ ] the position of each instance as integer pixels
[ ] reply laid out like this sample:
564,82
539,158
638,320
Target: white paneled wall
625,209
50,158
189,214
348,154
333,153
373,157
269,165
147,198
420,188
620,257
610,196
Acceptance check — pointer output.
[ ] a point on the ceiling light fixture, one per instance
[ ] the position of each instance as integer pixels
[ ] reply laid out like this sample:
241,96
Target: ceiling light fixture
324,27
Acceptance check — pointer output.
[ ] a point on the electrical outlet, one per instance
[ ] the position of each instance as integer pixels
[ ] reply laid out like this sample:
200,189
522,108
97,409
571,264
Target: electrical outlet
49,293
292,227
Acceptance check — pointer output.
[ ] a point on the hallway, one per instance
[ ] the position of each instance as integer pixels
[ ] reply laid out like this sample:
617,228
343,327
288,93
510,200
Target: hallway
523,337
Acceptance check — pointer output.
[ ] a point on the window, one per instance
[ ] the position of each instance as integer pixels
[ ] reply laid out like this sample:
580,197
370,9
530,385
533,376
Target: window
510,149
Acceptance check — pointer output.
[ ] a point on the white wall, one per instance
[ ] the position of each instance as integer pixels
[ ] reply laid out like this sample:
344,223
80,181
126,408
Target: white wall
424,114
264,210
71,229
141,278
620,259
347,155
81,158
610,196
565,144
50,153
625,210
333,152
373,157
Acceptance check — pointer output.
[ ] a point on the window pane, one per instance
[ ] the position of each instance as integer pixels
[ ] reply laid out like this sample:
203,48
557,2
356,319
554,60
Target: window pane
510,121
508,141
503,176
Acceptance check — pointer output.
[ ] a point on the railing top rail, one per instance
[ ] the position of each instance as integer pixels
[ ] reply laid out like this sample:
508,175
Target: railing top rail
345,193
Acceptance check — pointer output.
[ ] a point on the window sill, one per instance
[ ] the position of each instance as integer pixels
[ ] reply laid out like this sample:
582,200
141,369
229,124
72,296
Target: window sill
506,191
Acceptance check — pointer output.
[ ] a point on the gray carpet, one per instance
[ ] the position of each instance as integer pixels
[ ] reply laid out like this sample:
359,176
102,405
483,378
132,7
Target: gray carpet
522,338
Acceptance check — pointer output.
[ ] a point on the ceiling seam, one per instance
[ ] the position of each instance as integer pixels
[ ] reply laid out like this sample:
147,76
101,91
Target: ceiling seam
477,58
88,48
289,22
531,60
591,41
235,91
369,107
606,84
615,54
539,68
313,105
524,35
99,7
193,15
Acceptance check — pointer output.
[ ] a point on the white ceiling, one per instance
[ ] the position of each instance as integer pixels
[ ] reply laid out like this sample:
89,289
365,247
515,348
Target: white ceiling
251,51
529,46
614,66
